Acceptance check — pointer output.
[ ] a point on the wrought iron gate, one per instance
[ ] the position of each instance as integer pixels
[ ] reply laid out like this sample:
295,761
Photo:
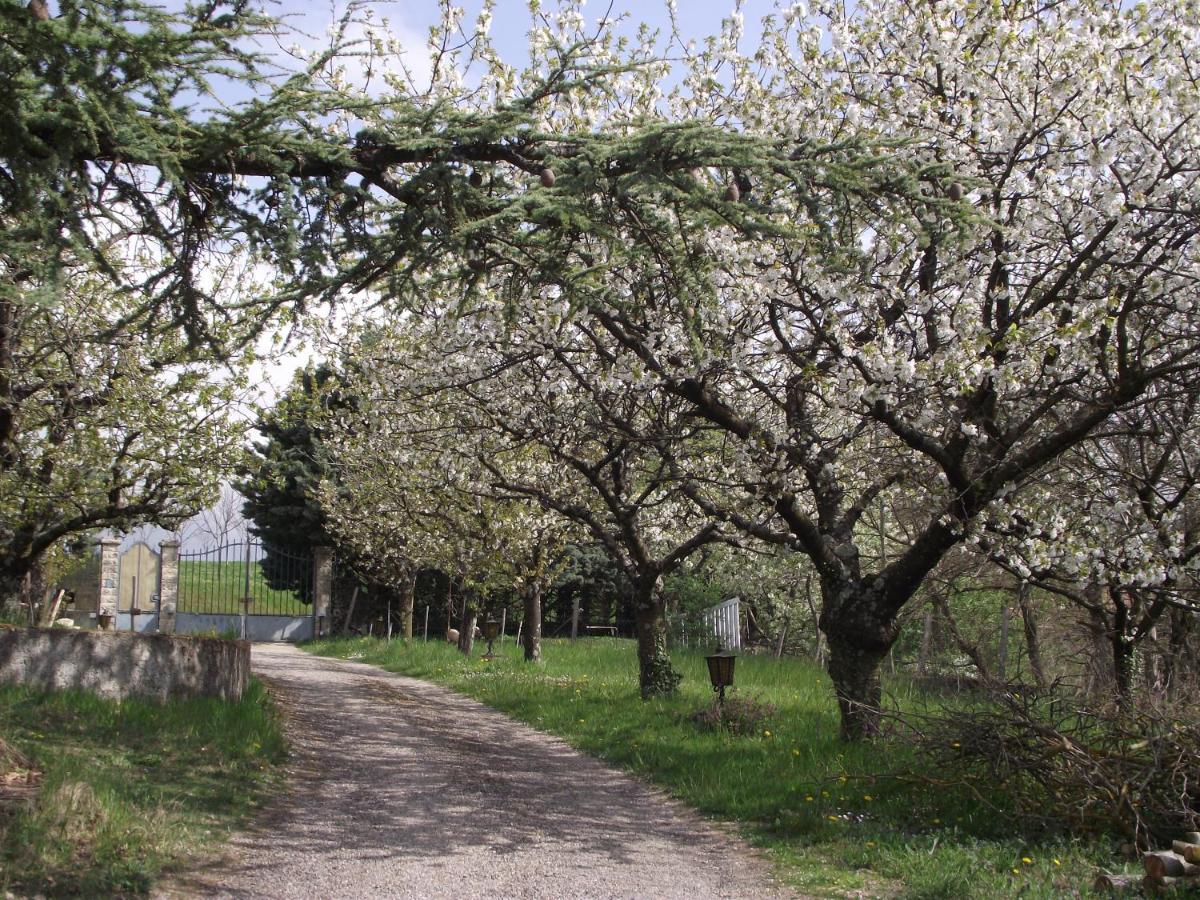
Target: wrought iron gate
247,579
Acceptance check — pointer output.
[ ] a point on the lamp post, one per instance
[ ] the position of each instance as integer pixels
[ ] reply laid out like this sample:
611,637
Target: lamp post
491,628
720,673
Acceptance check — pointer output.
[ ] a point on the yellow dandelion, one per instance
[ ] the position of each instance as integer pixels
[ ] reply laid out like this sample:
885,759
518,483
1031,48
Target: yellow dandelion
795,752
766,734
868,797
581,721
824,793
1057,863
1016,871
808,799
870,843
1027,860
937,821
832,818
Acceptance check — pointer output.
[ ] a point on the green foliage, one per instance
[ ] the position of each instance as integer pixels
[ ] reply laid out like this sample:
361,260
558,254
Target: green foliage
282,480
689,594
120,337
129,789
828,813
119,106
588,572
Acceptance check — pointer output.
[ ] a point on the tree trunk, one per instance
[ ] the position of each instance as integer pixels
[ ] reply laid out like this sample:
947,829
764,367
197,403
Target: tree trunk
860,626
575,615
466,630
926,640
350,611
1175,664
1032,642
656,677
1122,648
408,591
1152,677
1098,671
50,609
854,671
1122,654
971,651
1002,663
531,626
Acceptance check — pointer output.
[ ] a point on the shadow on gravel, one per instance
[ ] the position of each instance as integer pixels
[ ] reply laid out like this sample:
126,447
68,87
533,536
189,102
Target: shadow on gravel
419,775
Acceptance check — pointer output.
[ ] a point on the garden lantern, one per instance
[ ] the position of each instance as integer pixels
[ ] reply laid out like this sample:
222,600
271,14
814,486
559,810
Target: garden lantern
491,628
720,672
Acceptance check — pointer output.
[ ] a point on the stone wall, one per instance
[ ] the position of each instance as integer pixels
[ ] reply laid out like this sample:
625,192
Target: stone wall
119,665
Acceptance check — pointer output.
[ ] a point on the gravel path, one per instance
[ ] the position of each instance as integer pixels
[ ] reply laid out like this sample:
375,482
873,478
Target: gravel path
401,788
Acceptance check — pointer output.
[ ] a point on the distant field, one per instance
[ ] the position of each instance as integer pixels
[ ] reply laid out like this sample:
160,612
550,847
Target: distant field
208,586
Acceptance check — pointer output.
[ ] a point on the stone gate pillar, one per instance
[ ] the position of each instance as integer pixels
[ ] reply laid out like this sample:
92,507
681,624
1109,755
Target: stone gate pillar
168,584
110,580
322,589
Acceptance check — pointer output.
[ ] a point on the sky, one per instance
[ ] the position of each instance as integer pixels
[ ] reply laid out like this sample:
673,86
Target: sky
413,18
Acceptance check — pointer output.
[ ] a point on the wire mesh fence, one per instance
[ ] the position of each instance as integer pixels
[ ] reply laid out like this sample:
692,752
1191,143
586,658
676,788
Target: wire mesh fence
247,576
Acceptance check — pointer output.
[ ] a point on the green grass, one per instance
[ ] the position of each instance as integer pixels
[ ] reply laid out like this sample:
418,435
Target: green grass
129,790
823,810
208,586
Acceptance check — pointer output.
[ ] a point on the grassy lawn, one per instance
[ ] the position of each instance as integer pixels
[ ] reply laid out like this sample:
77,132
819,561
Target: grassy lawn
127,790
209,586
821,810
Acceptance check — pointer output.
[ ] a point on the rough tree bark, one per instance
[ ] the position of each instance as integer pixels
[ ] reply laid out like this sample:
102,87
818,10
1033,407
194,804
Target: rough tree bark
1121,639
854,670
860,631
466,630
1032,641
531,636
408,590
1175,664
656,676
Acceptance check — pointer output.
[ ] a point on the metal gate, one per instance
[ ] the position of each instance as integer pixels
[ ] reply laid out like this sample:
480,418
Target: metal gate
138,571
724,621
261,592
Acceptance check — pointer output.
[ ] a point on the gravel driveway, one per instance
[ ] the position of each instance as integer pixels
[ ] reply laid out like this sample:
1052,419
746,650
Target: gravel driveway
400,788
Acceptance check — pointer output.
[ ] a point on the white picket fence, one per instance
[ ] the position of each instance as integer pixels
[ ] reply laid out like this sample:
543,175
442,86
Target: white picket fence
725,622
